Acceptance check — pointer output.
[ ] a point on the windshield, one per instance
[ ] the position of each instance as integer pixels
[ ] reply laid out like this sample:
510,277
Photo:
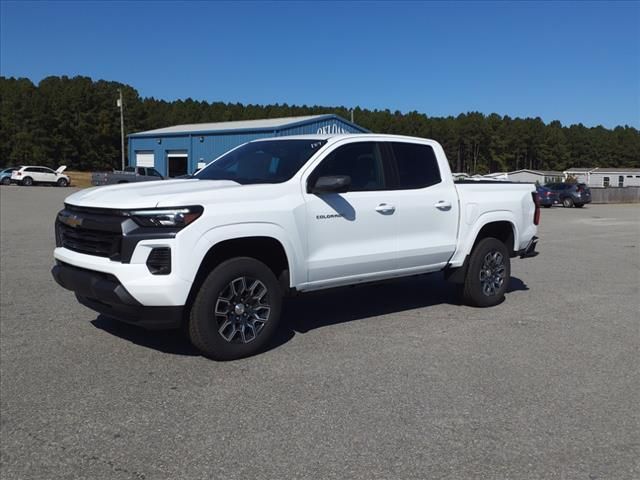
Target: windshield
271,161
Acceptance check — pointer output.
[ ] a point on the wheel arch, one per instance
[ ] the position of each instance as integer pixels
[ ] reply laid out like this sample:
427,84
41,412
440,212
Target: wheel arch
267,246
501,223
489,225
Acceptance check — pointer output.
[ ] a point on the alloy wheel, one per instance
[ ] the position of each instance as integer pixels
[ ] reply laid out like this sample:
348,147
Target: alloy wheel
493,273
242,310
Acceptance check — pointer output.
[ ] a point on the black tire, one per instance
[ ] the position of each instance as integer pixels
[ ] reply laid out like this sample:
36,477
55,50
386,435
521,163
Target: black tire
62,182
6,181
567,202
578,205
547,206
27,181
207,318
474,288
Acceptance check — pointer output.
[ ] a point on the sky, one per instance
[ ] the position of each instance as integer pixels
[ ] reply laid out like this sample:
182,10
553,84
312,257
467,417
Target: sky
573,62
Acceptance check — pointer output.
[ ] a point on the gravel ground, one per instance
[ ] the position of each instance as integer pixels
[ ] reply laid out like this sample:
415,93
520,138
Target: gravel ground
392,381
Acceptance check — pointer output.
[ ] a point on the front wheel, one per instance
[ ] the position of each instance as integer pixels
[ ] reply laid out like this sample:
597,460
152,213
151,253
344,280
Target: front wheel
567,202
236,310
62,182
488,274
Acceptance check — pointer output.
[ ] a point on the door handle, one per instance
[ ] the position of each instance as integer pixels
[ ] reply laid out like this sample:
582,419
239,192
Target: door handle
443,205
385,209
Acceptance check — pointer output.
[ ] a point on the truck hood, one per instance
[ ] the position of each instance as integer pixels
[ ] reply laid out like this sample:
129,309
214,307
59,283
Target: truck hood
147,194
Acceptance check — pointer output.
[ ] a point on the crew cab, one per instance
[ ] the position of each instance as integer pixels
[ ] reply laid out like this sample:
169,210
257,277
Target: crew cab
128,175
217,252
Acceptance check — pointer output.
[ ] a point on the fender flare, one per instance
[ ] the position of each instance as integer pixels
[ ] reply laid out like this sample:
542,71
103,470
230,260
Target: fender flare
235,231
482,221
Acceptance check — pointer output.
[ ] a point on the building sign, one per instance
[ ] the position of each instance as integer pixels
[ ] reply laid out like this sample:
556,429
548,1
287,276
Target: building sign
333,128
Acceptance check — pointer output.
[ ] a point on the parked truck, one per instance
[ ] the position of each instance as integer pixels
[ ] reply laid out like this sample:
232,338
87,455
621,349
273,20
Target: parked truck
217,252
128,175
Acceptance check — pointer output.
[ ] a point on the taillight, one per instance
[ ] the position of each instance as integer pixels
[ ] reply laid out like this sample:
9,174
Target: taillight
548,194
536,213
18,173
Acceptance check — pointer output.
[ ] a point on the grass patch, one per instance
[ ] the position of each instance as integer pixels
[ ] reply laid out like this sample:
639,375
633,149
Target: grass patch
79,179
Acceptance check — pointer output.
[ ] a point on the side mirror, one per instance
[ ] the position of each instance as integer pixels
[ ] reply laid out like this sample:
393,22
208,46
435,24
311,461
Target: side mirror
332,184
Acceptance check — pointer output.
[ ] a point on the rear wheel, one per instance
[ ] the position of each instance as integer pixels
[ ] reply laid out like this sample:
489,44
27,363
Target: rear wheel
6,181
62,182
488,274
236,310
567,202
27,181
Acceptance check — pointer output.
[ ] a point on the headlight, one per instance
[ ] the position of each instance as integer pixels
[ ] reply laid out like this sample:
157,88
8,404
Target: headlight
166,217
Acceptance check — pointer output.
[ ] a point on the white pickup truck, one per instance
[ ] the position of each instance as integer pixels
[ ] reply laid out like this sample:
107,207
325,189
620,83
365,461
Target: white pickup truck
217,253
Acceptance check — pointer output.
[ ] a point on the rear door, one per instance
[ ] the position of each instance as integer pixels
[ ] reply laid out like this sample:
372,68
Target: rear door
351,234
427,209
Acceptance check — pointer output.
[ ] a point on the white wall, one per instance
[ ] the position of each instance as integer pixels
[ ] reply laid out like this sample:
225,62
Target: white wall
597,179
526,177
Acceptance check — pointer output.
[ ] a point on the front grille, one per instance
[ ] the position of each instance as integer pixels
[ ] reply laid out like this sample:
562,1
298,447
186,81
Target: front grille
91,242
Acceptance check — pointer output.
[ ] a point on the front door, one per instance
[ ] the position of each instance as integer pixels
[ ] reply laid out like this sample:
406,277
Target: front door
351,235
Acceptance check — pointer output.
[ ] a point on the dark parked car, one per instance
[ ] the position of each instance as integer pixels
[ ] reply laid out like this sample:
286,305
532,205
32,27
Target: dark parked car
547,197
571,194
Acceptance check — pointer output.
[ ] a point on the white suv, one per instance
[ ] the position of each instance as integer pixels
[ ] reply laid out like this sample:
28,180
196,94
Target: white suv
28,176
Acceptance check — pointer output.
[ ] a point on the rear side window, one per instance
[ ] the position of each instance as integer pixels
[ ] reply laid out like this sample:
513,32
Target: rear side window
417,165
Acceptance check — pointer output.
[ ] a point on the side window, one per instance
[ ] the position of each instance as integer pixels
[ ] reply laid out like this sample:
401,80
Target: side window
621,181
141,171
153,172
605,181
30,169
362,161
417,165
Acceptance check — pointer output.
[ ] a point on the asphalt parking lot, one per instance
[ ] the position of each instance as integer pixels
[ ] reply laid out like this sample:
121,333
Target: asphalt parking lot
392,381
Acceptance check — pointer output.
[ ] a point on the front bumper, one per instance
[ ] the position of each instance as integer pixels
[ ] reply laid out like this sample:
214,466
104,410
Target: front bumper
105,294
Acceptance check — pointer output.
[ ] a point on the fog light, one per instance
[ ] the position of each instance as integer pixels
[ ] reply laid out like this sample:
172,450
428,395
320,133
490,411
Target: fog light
159,261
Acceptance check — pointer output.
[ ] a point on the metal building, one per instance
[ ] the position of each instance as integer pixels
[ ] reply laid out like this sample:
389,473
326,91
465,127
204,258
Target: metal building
541,176
182,149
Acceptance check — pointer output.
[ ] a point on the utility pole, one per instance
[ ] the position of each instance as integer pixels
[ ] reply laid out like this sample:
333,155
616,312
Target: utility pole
351,115
121,105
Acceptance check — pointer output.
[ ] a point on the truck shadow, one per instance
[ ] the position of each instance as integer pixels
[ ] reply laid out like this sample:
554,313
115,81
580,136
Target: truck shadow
319,309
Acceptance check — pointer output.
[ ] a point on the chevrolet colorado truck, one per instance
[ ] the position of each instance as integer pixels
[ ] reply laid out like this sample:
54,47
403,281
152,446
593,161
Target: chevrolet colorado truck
216,253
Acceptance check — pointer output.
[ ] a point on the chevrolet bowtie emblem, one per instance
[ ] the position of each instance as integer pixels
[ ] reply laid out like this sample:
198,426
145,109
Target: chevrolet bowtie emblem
71,220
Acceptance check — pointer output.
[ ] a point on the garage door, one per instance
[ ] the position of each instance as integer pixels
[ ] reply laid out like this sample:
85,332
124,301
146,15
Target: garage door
144,159
177,161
